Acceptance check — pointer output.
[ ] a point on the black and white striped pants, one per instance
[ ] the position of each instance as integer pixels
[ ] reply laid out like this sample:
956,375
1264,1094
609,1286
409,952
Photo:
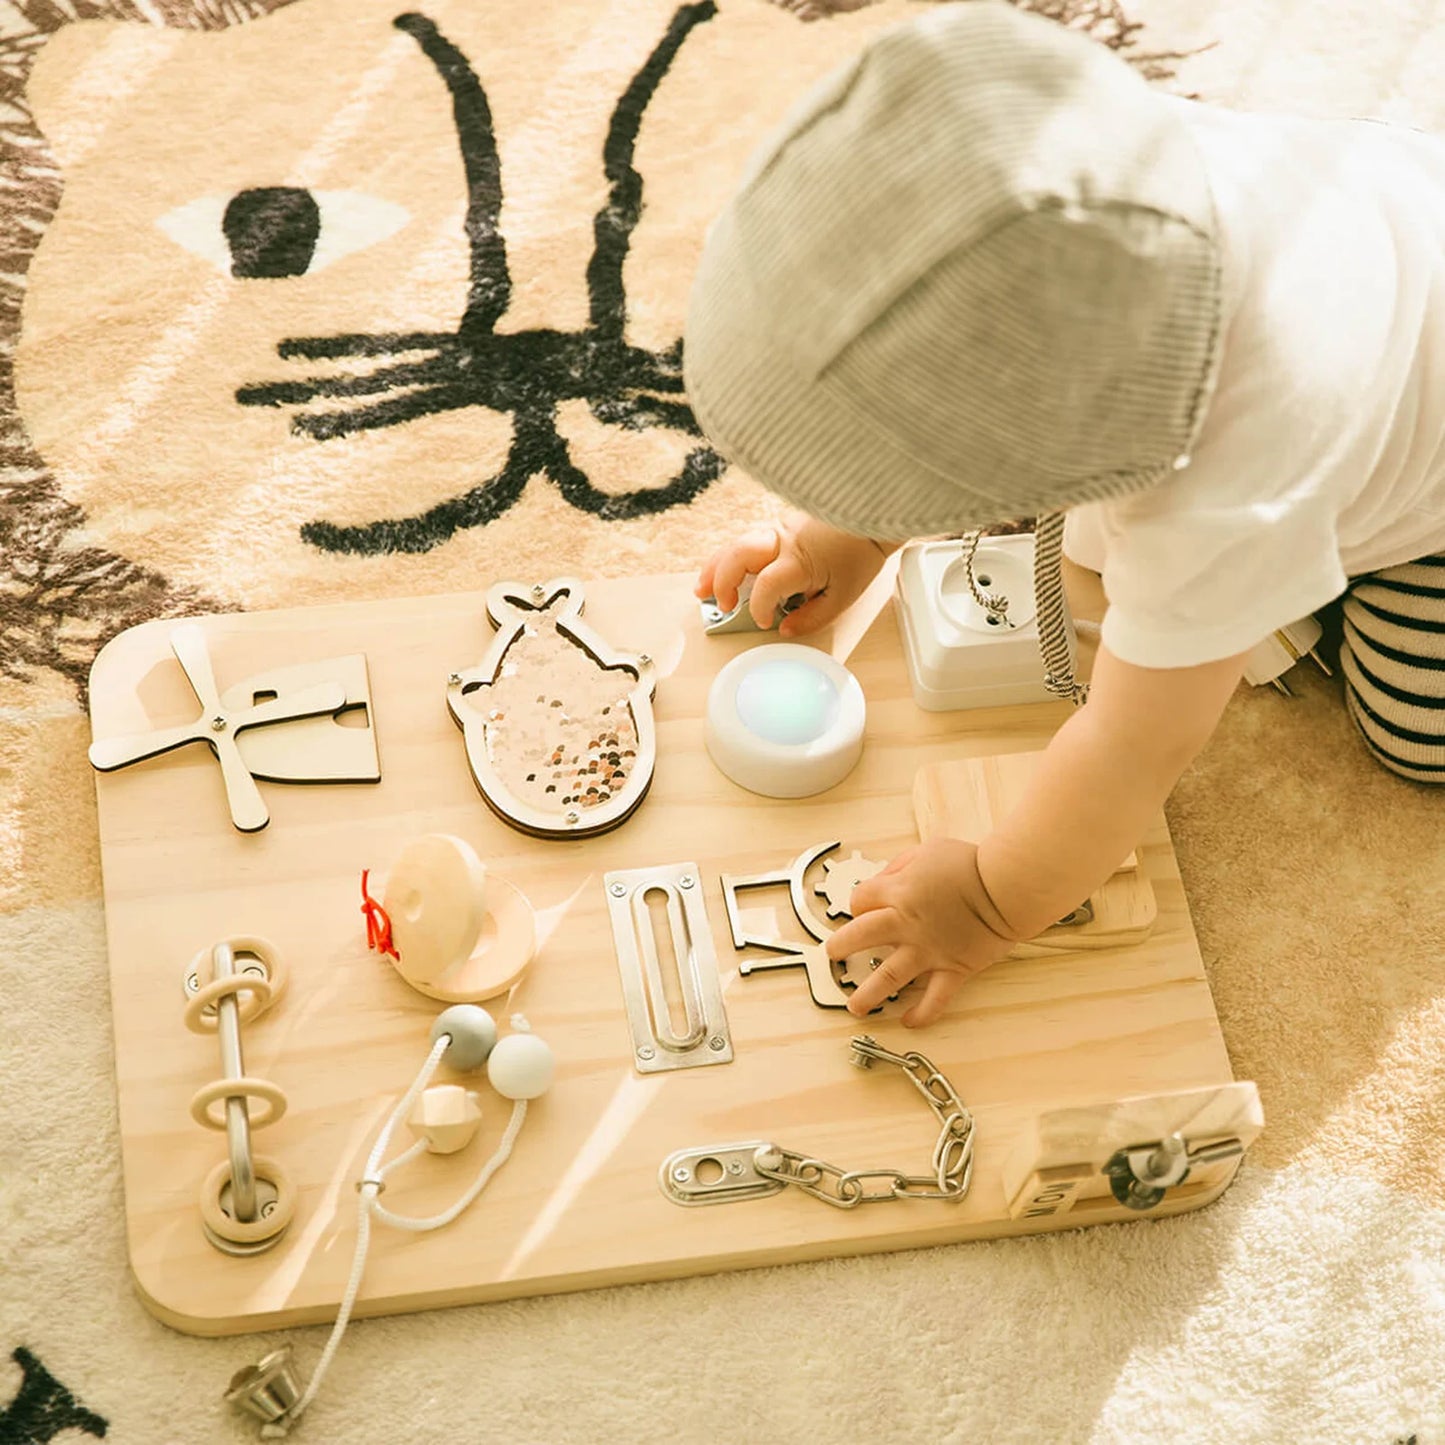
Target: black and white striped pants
1393,656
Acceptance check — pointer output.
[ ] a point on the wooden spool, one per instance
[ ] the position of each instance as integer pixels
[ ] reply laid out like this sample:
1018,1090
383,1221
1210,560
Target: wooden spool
462,935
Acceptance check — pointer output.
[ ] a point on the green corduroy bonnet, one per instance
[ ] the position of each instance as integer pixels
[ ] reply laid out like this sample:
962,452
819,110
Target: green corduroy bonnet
973,277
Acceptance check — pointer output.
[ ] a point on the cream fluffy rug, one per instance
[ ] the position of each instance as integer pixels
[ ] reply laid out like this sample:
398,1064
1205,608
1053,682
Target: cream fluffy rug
175,443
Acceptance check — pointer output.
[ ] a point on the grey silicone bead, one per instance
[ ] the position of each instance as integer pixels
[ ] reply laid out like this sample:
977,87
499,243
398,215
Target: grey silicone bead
473,1035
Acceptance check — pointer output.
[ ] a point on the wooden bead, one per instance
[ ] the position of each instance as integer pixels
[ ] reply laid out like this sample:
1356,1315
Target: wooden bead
473,1035
446,1116
521,1067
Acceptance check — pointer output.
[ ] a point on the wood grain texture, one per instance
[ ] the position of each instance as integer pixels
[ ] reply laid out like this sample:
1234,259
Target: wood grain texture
578,1204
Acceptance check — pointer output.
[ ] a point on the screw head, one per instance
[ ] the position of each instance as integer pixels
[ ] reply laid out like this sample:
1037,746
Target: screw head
644,659
717,1043
735,1166
537,589
453,679
574,817
647,1052
686,881
617,890
218,724
682,1174
713,614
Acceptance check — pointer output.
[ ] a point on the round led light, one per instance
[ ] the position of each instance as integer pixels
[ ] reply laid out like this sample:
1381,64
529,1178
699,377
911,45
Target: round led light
788,700
785,720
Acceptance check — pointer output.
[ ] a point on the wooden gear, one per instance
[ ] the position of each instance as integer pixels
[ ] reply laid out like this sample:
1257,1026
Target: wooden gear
830,983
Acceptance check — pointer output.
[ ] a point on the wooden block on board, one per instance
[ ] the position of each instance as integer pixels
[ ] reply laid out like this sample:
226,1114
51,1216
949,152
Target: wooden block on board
1059,1164
964,798
1050,1191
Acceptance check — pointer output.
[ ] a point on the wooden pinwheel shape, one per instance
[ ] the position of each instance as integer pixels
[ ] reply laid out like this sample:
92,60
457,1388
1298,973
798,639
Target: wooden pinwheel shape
218,726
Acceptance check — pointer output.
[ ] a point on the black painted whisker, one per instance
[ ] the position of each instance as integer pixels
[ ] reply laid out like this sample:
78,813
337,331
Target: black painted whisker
638,413
323,426
482,504
391,378
384,343
702,467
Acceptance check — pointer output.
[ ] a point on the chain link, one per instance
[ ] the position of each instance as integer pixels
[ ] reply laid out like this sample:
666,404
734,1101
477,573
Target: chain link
952,1152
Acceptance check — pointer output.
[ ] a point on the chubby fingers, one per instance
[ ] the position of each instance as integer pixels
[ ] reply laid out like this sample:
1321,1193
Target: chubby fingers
891,976
778,581
880,890
878,928
723,575
817,612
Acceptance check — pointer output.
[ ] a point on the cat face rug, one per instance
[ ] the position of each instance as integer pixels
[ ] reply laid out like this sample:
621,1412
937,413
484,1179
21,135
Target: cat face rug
352,300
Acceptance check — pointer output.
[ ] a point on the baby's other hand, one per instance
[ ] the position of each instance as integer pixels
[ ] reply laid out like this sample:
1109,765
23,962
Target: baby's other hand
831,569
722,575
930,906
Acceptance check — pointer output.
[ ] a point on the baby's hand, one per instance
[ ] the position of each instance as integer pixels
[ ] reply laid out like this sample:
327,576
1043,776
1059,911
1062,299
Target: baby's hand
830,568
930,906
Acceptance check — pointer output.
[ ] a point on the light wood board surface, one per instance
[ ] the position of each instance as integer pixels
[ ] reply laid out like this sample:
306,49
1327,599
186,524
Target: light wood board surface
578,1205
965,797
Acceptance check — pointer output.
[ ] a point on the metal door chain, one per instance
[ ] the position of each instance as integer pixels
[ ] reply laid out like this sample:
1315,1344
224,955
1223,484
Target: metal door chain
749,1171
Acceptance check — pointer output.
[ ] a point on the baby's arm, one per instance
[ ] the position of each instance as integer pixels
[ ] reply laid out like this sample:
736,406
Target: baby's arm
949,908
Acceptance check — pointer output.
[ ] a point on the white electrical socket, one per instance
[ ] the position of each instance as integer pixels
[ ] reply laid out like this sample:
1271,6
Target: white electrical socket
957,656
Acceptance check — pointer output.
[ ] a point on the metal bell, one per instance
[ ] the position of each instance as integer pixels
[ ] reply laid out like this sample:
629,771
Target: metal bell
267,1389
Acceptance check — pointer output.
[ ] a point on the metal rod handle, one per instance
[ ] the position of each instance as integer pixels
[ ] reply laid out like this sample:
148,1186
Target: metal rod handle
238,1124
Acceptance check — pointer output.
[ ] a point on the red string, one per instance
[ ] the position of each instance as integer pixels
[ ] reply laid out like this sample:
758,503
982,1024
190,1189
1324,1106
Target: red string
378,925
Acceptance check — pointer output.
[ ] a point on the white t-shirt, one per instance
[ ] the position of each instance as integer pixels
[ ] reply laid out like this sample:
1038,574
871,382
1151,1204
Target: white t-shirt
1322,453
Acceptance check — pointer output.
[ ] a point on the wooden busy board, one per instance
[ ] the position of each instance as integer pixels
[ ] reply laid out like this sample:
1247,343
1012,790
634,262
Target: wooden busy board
579,1204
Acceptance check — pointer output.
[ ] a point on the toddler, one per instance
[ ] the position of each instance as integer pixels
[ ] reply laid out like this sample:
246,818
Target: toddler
984,272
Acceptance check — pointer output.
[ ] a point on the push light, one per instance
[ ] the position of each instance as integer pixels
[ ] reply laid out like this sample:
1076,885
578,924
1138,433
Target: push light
785,720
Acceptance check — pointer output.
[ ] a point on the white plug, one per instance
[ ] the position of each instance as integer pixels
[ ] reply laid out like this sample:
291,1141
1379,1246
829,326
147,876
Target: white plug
1270,659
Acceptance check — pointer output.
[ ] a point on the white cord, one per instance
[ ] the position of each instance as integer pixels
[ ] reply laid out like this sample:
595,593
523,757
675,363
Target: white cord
368,1190
503,1152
